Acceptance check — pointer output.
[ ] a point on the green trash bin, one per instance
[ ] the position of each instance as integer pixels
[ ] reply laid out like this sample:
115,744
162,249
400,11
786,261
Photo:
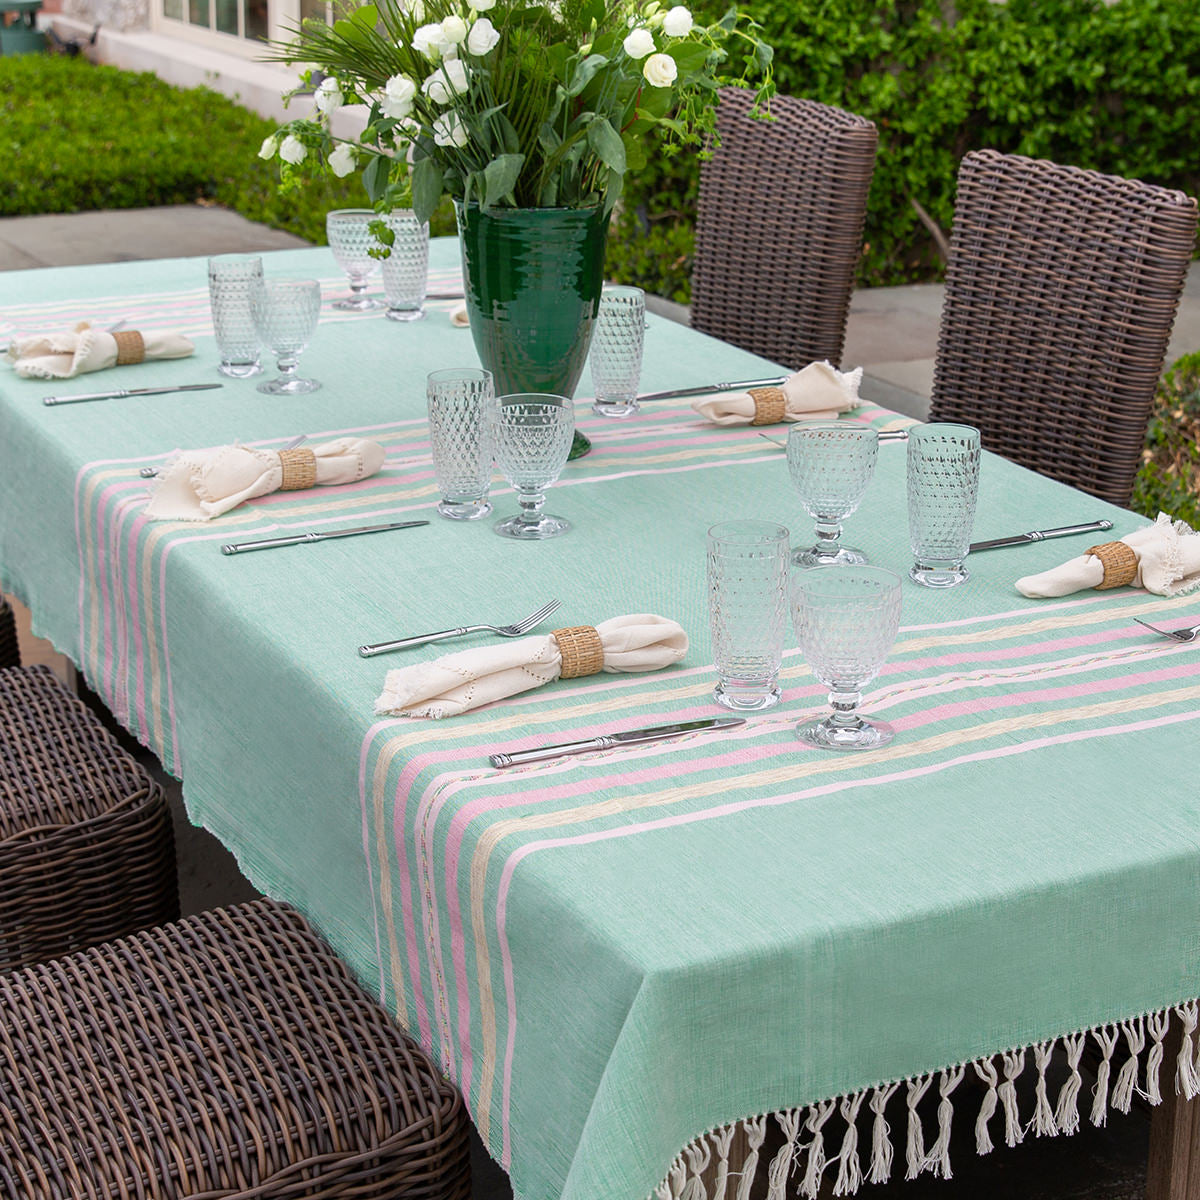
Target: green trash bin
20,34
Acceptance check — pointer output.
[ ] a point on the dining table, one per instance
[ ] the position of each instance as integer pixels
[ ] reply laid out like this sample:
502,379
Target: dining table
652,970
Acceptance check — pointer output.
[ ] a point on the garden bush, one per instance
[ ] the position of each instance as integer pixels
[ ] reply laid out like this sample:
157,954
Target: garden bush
1169,480
81,137
1114,87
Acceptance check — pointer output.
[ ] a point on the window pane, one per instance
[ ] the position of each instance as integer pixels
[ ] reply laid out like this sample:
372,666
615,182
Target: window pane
317,9
198,12
173,9
256,19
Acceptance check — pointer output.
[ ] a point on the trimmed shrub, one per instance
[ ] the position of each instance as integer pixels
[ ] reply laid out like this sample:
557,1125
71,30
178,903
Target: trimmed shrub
1169,480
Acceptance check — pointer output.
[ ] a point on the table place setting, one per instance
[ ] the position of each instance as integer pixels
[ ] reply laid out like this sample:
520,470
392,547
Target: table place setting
86,349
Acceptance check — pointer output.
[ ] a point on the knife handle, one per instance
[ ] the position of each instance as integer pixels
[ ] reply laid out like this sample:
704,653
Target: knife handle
84,396
517,758
269,543
1039,535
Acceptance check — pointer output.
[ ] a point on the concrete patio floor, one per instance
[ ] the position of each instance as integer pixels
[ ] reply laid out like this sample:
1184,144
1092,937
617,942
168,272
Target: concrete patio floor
892,333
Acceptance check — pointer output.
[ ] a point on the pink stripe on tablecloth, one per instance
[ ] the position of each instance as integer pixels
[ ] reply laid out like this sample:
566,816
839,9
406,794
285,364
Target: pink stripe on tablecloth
522,852
363,754
399,843
133,576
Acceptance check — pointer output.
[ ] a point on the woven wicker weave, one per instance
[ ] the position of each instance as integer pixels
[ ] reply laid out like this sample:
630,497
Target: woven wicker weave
10,654
779,227
1060,296
229,1055
86,847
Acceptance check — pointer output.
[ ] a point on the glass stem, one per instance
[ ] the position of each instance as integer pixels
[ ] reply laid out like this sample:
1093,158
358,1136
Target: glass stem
358,284
287,365
844,705
829,530
531,506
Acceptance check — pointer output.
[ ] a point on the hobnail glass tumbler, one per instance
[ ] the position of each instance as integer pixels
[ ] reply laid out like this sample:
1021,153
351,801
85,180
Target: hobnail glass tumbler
461,437
943,487
406,269
616,353
232,281
532,434
285,315
831,464
846,620
747,610
351,240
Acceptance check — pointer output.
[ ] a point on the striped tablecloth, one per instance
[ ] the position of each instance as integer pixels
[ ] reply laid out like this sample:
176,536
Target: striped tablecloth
626,959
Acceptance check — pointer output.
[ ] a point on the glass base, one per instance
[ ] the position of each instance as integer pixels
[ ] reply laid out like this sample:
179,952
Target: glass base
856,735
240,370
405,314
941,576
464,510
357,304
817,557
746,697
544,527
289,387
615,408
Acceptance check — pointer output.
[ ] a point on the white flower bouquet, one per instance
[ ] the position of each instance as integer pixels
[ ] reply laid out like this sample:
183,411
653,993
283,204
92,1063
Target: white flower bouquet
511,103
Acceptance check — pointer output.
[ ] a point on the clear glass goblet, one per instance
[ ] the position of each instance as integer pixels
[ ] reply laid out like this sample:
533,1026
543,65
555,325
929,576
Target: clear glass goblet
285,315
531,437
831,463
846,619
351,240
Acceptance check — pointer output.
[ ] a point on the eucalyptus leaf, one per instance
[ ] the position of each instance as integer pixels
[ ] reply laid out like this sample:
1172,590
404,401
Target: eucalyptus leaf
607,145
584,73
500,177
375,177
426,187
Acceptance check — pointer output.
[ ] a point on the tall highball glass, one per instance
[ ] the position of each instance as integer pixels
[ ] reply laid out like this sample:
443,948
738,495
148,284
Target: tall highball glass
460,435
233,280
943,487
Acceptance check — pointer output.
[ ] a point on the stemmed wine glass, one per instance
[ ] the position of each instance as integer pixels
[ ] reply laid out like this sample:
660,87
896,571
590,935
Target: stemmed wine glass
351,240
285,315
831,463
532,434
846,619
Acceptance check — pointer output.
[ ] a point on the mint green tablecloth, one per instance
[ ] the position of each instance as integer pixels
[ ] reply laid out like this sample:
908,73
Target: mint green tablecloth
614,955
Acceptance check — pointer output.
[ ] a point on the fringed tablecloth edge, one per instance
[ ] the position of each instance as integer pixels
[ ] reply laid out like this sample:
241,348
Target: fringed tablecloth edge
804,1154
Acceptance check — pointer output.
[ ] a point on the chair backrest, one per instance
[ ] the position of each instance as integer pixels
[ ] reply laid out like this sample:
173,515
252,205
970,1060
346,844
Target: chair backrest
1061,291
779,227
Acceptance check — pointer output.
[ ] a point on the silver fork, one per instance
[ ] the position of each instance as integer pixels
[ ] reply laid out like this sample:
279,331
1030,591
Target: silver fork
152,472
1180,635
514,630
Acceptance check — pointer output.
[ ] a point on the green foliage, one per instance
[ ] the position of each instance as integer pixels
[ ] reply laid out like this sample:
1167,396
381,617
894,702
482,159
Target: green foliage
1115,87
1169,480
80,137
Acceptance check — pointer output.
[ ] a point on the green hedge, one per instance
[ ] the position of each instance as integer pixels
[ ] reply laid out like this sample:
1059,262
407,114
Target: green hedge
1113,87
79,137
1169,480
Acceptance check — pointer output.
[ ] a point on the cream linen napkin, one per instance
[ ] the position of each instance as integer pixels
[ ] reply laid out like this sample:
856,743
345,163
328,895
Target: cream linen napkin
1168,564
818,392
459,318
456,683
198,485
86,349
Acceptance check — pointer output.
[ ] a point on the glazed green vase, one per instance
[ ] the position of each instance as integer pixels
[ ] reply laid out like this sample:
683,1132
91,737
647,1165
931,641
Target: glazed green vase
533,278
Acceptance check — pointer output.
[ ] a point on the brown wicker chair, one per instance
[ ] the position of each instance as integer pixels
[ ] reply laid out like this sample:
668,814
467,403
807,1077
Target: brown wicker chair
87,851
10,655
1061,292
779,227
229,1055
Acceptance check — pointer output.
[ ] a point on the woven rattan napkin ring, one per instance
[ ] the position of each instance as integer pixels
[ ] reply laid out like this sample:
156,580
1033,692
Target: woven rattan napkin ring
131,347
299,469
581,649
769,405
1120,564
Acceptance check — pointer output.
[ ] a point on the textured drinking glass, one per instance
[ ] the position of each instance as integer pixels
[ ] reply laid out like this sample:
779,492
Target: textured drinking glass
351,240
406,269
232,281
747,610
616,354
846,619
943,486
461,436
831,463
285,315
532,434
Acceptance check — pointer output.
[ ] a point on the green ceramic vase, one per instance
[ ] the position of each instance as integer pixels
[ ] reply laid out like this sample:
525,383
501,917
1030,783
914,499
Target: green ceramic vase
533,278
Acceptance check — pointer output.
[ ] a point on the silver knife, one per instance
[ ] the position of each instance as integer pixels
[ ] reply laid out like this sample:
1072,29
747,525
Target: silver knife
314,536
120,392
1040,535
740,385
632,737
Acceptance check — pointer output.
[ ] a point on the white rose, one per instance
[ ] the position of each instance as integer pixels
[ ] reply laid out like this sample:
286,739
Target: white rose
446,82
329,96
448,130
678,22
270,146
639,43
484,5
343,160
292,150
428,40
398,95
483,37
454,30
660,70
